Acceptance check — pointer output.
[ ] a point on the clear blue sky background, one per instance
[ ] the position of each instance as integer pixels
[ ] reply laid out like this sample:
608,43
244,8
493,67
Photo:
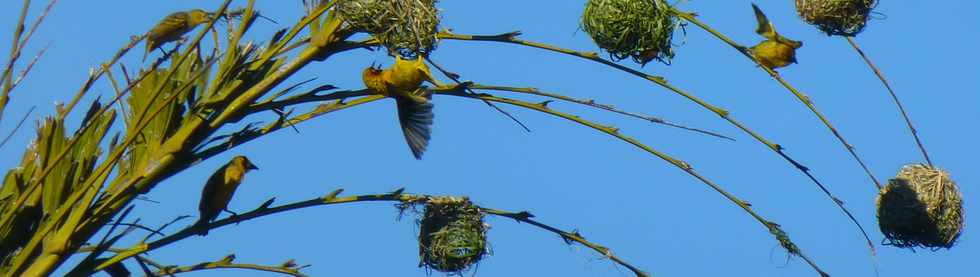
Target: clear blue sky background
645,210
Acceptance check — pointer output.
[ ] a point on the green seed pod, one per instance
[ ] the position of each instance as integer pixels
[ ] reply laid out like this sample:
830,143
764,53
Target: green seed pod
640,29
836,17
452,235
920,207
406,27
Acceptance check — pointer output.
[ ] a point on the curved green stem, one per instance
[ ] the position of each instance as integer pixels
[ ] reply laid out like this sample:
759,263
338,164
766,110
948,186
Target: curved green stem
691,17
773,228
511,38
333,198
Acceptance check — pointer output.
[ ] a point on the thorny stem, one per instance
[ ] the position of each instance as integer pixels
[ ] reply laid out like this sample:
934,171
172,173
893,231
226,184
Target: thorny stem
690,17
333,198
227,263
901,108
511,37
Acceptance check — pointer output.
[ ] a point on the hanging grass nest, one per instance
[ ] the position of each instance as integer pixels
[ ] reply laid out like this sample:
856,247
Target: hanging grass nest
920,207
406,27
836,17
452,235
639,29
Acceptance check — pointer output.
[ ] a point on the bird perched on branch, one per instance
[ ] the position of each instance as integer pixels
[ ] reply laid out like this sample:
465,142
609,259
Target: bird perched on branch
776,51
173,27
402,82
220,188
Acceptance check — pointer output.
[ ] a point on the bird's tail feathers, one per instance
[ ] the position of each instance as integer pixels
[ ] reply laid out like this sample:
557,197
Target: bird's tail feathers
201,225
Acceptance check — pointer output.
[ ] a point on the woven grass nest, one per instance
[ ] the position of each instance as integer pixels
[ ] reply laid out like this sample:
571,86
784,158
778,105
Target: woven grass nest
452,235
920,207
836,17
638,29
406,27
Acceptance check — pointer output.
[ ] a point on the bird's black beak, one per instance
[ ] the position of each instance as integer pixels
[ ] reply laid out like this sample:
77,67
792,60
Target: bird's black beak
251,166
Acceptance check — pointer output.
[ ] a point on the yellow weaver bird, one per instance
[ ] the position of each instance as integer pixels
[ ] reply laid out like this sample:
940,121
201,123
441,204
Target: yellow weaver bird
776,51
402,82
173,27
220,188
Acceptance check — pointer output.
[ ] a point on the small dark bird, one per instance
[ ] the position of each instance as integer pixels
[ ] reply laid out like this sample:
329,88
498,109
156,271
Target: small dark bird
173,27
220,188
776,51
402,82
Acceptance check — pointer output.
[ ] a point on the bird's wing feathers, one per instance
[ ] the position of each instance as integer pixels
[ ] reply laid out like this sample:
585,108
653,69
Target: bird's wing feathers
210,189
766,29
416,121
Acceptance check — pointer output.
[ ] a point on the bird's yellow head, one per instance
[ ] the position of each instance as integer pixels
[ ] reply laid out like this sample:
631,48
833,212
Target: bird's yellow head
243,162
371,71
372,77
198,16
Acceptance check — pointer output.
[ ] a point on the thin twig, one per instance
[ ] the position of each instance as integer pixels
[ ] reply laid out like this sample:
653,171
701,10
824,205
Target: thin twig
141,227
119,92
901,108
592,103
7,78
19,123
19,42
568,237
159,230
27,69
320,110
455,77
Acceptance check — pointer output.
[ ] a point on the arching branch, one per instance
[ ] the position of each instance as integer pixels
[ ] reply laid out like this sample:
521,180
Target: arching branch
511,38
334,198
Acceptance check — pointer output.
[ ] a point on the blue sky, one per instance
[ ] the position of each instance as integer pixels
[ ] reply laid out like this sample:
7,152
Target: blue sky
646,211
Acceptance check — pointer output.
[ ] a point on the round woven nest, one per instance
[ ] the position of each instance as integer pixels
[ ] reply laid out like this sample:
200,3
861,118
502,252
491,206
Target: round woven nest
836,17
406,27
920,207
637,29
452,235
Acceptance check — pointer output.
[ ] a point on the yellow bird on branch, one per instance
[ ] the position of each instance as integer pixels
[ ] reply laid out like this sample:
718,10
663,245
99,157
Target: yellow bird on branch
776,51
220,188
402,82
173,27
